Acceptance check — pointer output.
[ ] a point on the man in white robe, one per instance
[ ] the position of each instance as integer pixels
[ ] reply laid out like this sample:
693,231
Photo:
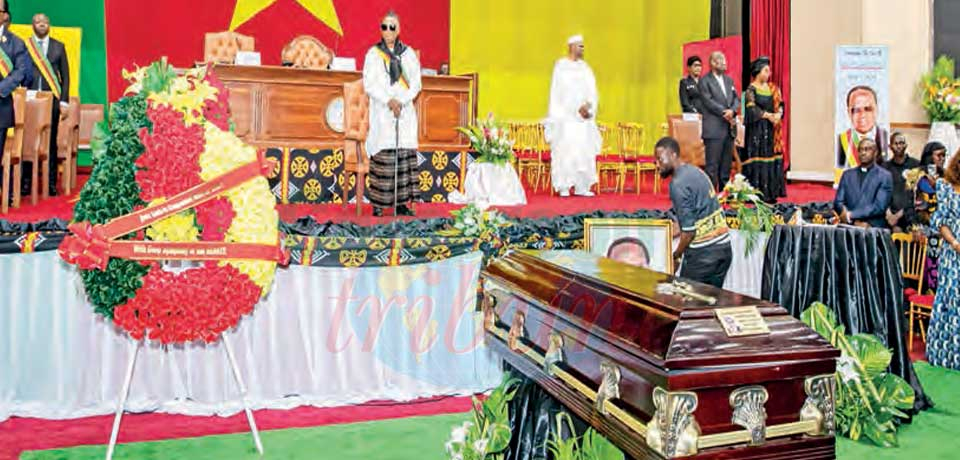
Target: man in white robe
571,128
391,78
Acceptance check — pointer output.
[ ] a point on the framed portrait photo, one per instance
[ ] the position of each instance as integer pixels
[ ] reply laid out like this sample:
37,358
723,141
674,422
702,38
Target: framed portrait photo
644,243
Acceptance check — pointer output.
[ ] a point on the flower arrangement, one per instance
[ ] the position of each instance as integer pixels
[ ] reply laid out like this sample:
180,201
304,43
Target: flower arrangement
488,434
489,139
168,134
475,221
754,215
869,400
940,92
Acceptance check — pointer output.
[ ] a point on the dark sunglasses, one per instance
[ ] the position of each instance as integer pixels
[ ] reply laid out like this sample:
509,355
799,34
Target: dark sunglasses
392,27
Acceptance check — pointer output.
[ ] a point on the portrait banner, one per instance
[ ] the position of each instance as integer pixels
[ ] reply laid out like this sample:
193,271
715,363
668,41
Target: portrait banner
862,103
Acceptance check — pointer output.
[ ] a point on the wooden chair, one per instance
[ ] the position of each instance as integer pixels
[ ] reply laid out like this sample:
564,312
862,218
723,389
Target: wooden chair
610,160
689,135
636,158
356,124
913,257
222,47
90,115
306,52
36,143
68,142
12,153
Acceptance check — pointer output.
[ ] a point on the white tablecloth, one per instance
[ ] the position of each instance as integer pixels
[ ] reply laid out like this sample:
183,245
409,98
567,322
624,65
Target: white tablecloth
488,184
309,342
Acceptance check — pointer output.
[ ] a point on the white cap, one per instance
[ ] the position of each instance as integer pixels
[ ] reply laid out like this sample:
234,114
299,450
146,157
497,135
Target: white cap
575,39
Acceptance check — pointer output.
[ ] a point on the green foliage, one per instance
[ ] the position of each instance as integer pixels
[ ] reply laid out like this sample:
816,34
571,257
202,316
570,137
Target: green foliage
591,446
755,216
112,191
158,78
473,221
869,400
488,435
940,92
489,139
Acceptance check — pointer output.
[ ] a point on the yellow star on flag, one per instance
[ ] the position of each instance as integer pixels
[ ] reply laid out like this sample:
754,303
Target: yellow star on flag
321,9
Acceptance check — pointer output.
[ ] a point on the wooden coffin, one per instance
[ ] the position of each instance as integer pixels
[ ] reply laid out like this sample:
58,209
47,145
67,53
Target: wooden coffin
656,371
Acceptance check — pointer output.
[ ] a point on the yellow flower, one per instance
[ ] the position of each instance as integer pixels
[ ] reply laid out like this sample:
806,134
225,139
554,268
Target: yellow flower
187,96
255,219
180,227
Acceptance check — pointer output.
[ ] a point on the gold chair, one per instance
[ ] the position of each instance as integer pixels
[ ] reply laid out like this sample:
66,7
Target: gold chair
12,153
632,140
222,47
68,141
306,52
610,160
913,256
533,155
356,124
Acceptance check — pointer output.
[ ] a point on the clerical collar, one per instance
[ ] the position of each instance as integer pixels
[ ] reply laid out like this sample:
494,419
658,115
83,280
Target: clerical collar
866,168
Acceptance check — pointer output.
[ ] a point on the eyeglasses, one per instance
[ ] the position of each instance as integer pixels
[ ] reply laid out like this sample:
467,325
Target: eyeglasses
867,109
392,27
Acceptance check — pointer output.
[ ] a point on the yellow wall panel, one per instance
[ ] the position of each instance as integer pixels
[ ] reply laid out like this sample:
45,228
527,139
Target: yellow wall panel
633,46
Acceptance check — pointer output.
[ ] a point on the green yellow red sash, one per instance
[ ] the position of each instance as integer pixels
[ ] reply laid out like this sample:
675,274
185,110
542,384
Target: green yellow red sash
386,60
46,69
6,65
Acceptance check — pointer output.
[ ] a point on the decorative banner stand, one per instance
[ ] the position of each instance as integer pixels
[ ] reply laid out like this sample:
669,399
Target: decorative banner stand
91,247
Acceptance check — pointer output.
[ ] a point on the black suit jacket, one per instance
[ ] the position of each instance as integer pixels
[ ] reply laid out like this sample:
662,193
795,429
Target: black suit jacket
883,143
714,103
690,95
865,200
21,75
57,55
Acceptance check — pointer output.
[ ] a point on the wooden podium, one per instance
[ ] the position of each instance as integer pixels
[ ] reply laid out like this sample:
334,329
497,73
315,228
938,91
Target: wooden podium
284,107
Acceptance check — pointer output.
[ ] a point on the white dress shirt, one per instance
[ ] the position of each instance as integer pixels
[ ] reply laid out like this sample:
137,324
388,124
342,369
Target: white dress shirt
723,84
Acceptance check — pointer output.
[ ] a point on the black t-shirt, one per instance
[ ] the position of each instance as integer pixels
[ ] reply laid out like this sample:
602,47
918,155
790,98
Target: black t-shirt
902,198
696,206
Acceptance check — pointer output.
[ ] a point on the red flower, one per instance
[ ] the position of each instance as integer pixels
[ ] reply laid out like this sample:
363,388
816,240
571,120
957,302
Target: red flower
170,161
215,216
197,304
217,112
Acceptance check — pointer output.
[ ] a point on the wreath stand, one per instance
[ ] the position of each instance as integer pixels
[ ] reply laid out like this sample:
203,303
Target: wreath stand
125,392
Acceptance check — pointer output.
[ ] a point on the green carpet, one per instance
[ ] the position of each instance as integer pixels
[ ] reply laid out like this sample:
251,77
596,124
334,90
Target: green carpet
934,434
409,438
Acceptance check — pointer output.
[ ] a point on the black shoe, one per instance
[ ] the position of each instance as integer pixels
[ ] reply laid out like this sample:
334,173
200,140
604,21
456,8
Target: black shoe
377,212
403,210
52,192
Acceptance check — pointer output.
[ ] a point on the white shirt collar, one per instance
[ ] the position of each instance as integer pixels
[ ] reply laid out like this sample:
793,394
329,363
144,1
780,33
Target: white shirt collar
43,40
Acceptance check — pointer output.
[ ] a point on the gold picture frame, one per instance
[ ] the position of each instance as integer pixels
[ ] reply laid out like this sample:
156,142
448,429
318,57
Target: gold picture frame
652,241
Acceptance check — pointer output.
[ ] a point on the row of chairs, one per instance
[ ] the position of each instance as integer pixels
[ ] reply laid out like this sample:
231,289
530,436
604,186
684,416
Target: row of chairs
28,141
623,154
913,259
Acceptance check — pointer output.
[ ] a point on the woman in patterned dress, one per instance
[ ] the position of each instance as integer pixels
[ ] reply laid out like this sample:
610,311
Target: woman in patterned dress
763,162
943,340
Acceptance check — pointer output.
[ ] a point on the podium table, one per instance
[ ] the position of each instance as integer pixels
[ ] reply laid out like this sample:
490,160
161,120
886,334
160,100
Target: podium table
296,115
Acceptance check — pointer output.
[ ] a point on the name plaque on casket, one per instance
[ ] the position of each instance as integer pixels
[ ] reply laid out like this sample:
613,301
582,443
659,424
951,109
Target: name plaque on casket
643,357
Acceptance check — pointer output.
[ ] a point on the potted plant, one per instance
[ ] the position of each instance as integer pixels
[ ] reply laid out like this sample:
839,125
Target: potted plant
940,97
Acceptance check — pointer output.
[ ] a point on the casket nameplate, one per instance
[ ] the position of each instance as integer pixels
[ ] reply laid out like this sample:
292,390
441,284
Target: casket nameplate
742,321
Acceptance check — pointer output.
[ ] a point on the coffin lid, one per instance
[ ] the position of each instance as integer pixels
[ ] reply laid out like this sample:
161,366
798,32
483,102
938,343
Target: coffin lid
619,304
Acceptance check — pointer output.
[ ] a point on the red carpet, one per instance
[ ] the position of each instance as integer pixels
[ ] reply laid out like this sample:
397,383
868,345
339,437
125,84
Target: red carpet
21,434
538,205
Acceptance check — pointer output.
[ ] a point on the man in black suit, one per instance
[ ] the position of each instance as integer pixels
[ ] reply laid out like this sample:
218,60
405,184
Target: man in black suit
51,72
690,86
720,103
15,70
865,191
